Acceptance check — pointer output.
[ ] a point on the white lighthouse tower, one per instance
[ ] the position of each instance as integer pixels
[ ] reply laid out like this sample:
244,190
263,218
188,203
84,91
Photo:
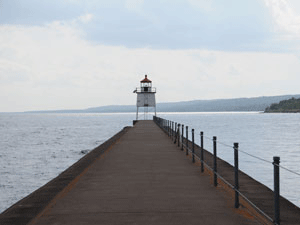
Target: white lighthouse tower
145,97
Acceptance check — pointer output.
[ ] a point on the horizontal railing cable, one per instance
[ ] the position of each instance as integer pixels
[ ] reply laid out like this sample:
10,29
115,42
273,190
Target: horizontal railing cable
244,197
173,130
256,157
253,205
208,138
253,156
291,171
232,187
261,159
226,145
231,147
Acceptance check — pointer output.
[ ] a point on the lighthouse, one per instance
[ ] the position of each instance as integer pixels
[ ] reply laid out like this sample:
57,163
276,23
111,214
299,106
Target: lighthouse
145,97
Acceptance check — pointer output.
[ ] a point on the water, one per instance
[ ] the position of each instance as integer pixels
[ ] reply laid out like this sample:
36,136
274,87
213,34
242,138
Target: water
37,147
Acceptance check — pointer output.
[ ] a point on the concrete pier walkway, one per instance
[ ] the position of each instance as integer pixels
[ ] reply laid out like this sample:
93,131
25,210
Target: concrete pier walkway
143,179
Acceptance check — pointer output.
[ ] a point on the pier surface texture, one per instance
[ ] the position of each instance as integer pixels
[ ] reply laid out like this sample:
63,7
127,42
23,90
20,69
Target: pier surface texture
142,179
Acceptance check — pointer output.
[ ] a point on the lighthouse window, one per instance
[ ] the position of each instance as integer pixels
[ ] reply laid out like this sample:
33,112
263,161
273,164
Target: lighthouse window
145,88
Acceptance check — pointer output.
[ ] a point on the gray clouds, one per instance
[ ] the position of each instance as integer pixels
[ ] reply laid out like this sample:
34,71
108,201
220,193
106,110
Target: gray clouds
75,54
180,24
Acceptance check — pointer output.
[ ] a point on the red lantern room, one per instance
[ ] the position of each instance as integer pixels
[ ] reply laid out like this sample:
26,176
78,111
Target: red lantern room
146,84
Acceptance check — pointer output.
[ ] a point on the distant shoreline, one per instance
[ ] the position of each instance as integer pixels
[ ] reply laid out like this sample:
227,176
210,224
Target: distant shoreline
255,104
298,111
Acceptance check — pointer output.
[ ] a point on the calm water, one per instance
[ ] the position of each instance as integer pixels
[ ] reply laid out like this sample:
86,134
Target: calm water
37,147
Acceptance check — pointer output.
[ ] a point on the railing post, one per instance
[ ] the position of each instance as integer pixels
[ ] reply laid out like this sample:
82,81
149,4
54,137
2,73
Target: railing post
175,130
178,135
167,124
172,130
201,155
182,130
193,146
276,161
169,128
174,133
236,174
215,161
187,140
171,134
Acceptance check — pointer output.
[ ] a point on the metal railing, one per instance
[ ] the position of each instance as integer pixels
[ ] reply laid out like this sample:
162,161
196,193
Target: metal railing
145,90
177,135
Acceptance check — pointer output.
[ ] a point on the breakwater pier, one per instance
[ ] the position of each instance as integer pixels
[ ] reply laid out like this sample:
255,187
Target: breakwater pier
141,177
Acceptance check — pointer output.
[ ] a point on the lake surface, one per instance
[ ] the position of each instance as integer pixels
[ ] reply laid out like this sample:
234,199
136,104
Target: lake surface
35,148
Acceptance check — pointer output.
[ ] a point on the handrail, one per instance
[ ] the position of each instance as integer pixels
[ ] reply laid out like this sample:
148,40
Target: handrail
174,133
145,90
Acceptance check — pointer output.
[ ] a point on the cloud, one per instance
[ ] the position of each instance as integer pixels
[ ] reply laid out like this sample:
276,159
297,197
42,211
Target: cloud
55,67
86,18
11,72
287,21
180,24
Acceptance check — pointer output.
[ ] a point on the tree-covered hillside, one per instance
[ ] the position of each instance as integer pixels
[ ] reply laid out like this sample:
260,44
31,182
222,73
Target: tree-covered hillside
290,105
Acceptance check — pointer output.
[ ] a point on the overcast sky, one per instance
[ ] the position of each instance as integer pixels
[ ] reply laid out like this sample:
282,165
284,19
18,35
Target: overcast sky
75,54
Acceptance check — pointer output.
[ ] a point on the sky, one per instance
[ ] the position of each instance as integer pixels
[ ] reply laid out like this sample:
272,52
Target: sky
75,54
